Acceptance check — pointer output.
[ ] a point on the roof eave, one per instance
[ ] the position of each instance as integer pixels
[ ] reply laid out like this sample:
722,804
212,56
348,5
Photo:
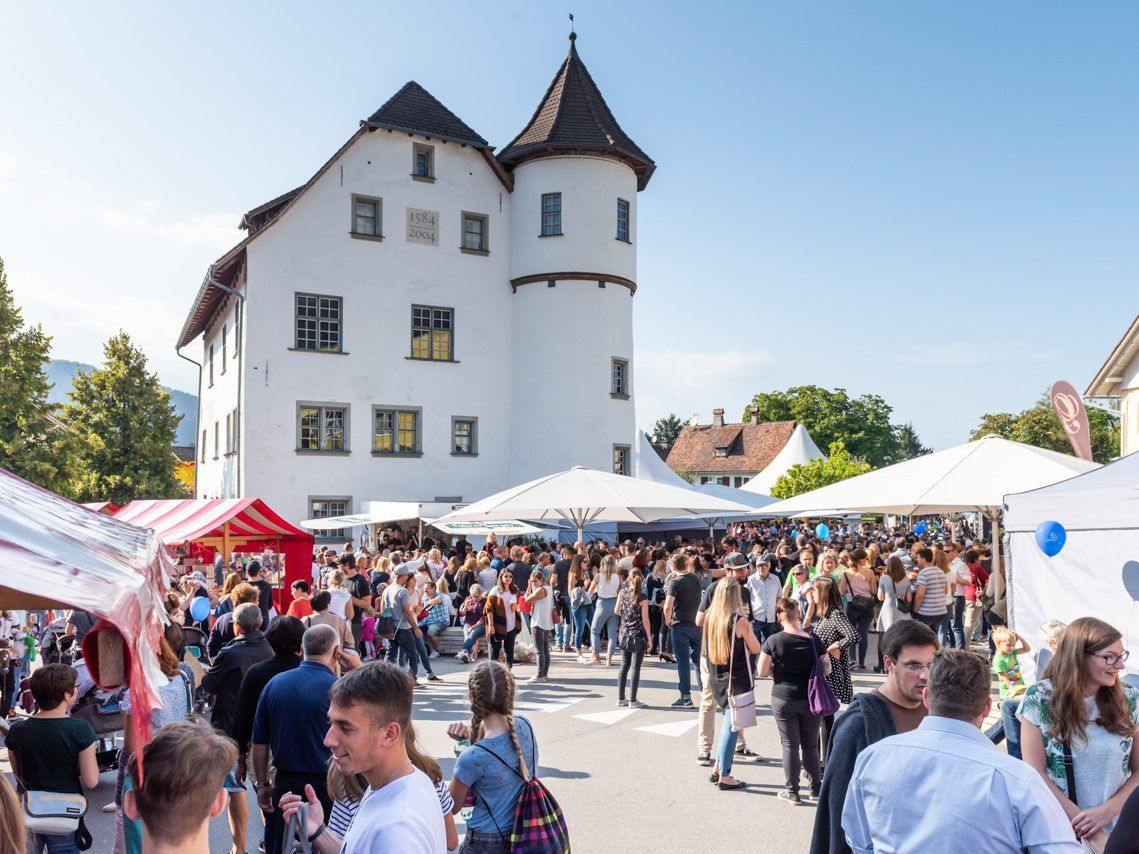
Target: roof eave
473,143
1117,360
641,167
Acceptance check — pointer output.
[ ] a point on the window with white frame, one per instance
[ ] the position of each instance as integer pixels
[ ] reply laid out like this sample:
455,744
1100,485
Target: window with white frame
318,323
367,216
329,508
322,427
619,379
551,214
395,430
623,220
474,232
464,436
621,459
432,333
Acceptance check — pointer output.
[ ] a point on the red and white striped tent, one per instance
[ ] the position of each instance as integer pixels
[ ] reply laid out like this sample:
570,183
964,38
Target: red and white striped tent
226,525
107,508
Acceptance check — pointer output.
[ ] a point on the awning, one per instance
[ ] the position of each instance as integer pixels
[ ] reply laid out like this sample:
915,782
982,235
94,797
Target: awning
178,521
505,527
378,513
106,507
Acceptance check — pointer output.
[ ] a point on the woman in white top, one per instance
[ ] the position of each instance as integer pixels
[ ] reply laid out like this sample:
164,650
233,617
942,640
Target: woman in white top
341,604
894,585
541,598
606,585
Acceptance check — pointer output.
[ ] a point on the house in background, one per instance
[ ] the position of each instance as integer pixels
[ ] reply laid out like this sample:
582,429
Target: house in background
1118,380
728,454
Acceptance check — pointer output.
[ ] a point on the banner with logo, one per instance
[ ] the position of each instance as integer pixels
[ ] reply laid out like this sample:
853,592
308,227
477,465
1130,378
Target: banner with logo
1069,408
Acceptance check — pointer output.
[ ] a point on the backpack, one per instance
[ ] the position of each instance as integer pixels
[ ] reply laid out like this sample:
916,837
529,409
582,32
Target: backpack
539,826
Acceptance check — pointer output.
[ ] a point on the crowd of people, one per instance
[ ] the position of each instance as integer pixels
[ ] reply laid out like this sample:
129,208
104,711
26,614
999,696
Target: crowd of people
309,699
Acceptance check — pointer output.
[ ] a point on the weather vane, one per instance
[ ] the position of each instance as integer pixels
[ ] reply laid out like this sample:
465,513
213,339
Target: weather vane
571,24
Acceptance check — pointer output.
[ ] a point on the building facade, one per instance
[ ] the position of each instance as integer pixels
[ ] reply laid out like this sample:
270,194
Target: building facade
727,454
1118,380
424,319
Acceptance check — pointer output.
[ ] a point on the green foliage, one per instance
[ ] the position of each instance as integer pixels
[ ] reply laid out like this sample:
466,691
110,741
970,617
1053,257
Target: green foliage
817,473
130,423
666,429
862,423
909,445
1039,426
34,443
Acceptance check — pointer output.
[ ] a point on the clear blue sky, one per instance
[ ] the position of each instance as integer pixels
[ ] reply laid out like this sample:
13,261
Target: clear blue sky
938,203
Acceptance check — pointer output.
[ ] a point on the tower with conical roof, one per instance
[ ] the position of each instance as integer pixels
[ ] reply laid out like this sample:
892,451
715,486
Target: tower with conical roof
573,271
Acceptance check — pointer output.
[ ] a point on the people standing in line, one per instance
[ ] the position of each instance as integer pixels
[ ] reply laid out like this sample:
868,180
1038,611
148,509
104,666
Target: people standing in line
729,644
682,601
369,711
894,707
894,590
788,657
633,638
540,597
604,590
860,584
834,630
930,599
983,800
1081,713
502,623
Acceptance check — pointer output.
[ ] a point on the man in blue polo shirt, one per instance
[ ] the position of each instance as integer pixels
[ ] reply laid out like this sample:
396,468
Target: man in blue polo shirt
291,721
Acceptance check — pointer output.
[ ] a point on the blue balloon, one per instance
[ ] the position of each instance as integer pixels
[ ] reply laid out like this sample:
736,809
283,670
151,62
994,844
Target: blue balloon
822,531
919,528
200,608
1051,536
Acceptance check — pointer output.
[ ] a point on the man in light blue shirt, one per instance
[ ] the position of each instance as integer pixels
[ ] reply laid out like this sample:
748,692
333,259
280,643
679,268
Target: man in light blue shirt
945,788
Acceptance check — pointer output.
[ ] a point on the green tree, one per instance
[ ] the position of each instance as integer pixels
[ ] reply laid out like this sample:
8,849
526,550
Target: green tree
817,473
34,442
131,424
862,423
909,445
666,429
1039,426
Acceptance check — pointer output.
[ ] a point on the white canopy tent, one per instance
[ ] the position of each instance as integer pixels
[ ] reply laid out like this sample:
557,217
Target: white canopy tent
799,450
580,496
505,527
1097,571
647,464
378,513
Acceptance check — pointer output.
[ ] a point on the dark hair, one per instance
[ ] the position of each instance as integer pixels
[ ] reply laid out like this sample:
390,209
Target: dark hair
321,601
386,690
926,554
907,633
300,584
284,635
51,683
253,567
959,685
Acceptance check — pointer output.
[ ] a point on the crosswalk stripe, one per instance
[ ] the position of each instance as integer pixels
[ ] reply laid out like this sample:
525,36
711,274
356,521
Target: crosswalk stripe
607,718
673,730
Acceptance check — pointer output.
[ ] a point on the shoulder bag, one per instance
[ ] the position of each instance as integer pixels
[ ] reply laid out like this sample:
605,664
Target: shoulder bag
741,706
820,695
904,604
52,813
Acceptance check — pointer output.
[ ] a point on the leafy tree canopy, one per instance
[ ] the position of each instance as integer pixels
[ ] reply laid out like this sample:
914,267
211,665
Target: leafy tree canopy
818,473
1039,426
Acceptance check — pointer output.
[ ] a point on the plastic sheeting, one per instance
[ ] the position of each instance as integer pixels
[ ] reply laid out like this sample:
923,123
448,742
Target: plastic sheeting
57,554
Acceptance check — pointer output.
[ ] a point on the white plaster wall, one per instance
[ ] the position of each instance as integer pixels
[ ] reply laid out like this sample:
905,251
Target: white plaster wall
1129,406
309,250
590,187
217,477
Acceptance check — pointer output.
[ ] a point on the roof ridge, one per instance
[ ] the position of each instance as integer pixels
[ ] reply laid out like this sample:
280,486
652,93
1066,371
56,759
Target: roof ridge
400,113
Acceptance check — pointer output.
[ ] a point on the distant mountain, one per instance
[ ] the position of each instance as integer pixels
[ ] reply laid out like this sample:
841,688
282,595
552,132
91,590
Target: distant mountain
62,372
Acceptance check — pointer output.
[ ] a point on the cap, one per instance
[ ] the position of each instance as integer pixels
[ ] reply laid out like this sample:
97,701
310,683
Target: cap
403,569
768,559
197,576
735,561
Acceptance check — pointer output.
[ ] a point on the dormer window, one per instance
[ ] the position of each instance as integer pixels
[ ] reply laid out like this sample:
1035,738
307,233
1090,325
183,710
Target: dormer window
720,452
423,162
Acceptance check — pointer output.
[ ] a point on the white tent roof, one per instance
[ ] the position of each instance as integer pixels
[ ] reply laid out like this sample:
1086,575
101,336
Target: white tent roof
1101,499
647,464
740,496
973,476
378,513
580,495
800,449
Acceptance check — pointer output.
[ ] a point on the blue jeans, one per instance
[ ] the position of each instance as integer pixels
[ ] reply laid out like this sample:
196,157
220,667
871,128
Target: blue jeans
605,617
55,844
726,745
404,642
686,648
473,633
1012,727
563,630
959,639
580,623
421,648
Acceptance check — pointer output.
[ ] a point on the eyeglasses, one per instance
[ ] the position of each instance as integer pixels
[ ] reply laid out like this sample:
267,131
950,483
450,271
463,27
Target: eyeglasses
1110,658
915,666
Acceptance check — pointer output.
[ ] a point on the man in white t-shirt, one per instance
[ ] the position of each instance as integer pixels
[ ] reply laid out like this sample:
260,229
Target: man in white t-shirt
400,811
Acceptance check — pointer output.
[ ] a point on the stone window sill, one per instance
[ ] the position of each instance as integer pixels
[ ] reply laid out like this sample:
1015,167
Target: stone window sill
418,359
402,454
617,396
426,179
378,238
309,452
467,251
323,352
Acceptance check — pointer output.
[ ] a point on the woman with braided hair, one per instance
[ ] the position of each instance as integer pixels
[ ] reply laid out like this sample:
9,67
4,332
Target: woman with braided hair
493,768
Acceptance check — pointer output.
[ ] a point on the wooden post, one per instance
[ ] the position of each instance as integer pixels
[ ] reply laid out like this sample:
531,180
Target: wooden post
226,545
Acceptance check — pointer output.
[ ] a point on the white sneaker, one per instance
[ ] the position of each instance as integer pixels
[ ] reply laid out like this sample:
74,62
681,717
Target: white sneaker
464,656
584,659
433,654
636,704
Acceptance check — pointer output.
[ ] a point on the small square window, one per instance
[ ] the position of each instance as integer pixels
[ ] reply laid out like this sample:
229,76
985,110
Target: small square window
367,217
423,162
619,385
474,232
322,428
623,220
329,508
621,455
551,214
464,437
720,452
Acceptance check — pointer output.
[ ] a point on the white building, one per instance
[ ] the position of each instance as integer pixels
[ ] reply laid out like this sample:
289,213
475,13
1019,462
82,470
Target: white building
1118,380
425,320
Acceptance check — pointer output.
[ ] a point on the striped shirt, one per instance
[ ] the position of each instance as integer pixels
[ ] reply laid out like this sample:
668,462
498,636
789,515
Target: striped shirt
936,599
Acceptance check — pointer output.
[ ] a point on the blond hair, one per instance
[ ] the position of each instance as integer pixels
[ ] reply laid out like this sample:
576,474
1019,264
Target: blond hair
719,620
608,566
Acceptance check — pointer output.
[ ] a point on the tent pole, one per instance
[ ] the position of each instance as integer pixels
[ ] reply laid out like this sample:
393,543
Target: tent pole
994,519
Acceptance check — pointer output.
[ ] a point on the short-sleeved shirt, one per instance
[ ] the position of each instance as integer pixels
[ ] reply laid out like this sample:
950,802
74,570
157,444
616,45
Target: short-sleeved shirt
936,599
300,608
1101,765
561,569
497,784
402,816
1007,663
264,597
175,698
292,718
358,588
48,752
710,591
793,659
521,572
397,598
685,590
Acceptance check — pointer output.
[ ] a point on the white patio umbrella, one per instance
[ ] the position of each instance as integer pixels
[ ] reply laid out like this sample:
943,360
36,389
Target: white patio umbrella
754,500
580,496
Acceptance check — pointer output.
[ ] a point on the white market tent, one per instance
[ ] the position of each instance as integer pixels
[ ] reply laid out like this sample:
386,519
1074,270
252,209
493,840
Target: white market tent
580,496
378,513
799,450
647,464
1097,571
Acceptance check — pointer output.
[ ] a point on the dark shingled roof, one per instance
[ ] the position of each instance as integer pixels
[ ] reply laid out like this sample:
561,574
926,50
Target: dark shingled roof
415,110
260,215
573,117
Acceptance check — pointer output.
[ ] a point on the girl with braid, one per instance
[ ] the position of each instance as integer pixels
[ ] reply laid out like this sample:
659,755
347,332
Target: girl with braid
502,753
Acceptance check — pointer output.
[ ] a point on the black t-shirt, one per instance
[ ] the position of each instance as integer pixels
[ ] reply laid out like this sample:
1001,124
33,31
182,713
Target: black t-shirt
685,590
47,750
264,597
793,660
561,568
358,587
379,578
710,591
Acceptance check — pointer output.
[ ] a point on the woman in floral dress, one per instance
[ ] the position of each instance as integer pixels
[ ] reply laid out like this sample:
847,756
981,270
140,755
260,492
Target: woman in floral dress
833,628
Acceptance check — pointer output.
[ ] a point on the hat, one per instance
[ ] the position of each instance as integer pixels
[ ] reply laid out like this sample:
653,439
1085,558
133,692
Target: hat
402,570
197,576
768,559
735,561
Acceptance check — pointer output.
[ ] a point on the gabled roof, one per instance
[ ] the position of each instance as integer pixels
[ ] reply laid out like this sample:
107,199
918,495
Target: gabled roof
415,110
1108,379
260,215
573,118
749,447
